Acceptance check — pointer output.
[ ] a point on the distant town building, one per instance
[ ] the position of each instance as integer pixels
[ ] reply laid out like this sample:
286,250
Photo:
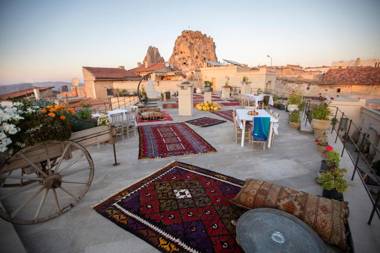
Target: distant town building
38,92
357,63
102,82
353,81
239,77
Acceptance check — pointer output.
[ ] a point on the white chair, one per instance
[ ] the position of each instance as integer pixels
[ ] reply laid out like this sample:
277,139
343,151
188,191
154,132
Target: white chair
130,122
117,121
238,126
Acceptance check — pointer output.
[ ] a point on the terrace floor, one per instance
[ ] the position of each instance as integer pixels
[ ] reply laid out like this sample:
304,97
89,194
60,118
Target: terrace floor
292,161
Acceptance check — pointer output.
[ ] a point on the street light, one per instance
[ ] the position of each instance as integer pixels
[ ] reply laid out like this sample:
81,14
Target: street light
270,59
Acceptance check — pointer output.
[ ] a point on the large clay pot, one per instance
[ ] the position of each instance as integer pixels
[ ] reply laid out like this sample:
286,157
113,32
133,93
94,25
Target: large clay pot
292,107
295,125
320,124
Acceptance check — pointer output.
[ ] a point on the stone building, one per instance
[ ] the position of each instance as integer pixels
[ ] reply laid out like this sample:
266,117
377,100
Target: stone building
102,82
352,81
262,78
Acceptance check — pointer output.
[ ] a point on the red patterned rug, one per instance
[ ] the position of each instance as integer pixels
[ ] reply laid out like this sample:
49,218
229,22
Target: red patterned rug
205,122
172,139
165,117
180,208
170,105
227,114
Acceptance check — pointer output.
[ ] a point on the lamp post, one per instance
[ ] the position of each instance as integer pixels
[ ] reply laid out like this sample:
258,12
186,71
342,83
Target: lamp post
270,59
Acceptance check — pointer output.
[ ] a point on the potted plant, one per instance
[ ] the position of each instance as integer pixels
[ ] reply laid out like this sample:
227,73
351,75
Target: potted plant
320,117
333,183
294,119
331,161
321,145
294,100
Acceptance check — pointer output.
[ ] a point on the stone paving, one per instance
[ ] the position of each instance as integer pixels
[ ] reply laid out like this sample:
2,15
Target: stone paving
292,161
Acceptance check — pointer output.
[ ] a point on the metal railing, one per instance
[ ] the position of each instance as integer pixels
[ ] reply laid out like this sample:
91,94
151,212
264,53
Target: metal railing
358,147
361,152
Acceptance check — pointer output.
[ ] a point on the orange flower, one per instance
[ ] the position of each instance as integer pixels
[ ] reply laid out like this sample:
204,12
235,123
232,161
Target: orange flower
62,117
71,110
50,114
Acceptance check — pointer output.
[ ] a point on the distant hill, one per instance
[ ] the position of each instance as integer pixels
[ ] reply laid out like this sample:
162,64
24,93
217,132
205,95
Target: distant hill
21,86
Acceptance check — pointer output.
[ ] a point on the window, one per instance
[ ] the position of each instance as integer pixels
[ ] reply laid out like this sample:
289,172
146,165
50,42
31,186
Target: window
109,92
338,90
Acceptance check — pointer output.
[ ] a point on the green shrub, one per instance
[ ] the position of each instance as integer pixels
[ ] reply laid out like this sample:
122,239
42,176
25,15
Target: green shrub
295,99
84,113
294,116
333,159
333,179
321,112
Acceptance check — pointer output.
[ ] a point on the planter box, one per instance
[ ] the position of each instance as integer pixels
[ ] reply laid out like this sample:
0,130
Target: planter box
332,194
95,135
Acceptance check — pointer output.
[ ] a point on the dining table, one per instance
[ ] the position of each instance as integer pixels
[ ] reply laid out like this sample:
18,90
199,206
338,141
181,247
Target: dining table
259,98
243,117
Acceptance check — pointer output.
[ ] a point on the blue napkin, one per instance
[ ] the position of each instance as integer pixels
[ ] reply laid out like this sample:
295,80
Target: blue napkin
261,128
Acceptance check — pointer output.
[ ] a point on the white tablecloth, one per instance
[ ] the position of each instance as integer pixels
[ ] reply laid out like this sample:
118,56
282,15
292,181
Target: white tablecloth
243,116
258,98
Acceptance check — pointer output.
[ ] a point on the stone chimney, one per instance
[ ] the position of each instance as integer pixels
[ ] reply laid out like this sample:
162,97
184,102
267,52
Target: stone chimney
121,67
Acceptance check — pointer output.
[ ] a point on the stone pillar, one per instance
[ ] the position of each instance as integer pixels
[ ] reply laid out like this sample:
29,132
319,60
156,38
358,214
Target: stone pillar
226,92
185,99
207,96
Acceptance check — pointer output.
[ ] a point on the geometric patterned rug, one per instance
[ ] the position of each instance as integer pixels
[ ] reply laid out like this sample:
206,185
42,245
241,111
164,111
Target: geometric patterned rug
173,139
180,208
227,114
205,122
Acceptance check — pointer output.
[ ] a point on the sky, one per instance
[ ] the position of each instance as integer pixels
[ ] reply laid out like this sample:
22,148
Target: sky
50,40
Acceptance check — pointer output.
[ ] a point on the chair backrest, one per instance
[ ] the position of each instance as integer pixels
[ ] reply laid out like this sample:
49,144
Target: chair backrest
260,130
266,100
117,118
130,117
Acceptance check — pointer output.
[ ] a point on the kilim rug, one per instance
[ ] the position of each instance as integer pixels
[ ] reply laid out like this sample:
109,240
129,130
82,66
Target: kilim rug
227,114
172,139
205,122
180,208
165,117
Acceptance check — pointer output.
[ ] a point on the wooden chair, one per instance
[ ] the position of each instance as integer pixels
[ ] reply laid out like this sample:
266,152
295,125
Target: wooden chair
117,121
238,130
130,124
254,141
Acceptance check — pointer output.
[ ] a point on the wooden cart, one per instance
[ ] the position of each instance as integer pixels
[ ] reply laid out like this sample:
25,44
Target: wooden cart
43,181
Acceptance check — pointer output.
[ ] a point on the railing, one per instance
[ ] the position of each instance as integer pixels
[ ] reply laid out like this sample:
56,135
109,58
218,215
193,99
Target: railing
360,150
362,153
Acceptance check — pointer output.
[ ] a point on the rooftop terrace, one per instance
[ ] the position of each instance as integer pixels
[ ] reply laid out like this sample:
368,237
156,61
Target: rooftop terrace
292,161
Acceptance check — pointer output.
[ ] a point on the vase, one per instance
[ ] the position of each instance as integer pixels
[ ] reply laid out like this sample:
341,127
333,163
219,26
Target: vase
292,107
318,124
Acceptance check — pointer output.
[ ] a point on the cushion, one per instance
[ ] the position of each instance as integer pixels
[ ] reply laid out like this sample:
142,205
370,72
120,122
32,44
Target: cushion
326,216
151,115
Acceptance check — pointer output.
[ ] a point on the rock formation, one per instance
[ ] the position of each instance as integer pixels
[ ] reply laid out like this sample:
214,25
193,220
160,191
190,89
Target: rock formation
152,56
191,51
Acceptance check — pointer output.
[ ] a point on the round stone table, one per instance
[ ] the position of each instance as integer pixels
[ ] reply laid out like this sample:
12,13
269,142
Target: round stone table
270,230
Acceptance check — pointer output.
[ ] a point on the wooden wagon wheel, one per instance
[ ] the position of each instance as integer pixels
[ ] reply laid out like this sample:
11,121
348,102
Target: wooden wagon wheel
44,186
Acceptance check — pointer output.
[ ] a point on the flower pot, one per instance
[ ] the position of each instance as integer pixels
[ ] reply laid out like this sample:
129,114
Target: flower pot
324,166
295,125
318,124
332,194
292,107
